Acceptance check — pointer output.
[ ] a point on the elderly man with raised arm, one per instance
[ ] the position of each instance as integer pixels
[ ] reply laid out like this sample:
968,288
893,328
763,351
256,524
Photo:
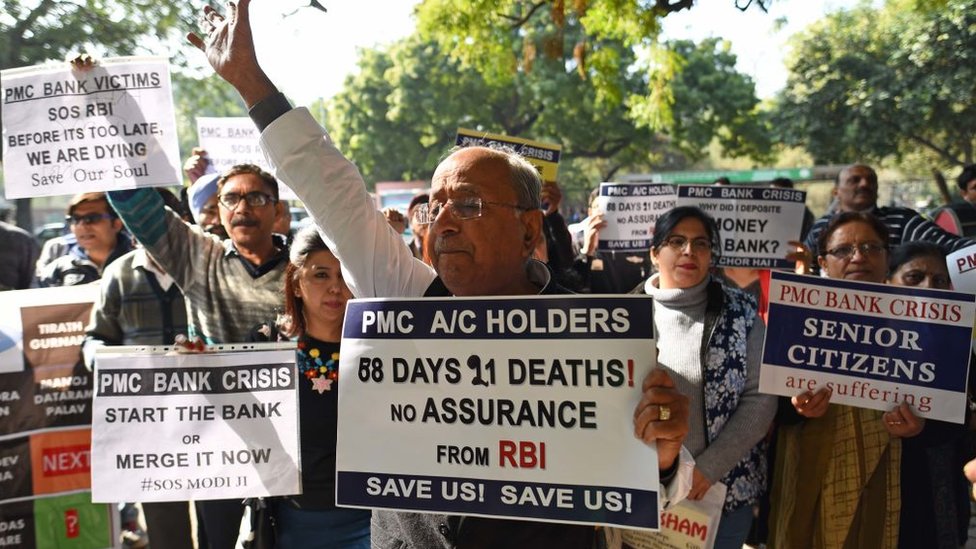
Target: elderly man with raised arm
485,223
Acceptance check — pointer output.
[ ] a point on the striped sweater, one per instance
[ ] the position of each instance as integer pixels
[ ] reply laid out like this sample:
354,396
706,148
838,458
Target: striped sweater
225,295
904,225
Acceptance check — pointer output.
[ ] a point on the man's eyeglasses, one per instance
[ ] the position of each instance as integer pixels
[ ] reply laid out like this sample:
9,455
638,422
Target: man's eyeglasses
677,243
867,249
254,199
87,219
461,208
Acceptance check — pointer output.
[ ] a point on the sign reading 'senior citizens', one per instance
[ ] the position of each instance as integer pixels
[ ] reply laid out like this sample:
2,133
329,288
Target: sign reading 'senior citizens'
544,156
222,424
874,345
70,131
499,408
630,211
755,223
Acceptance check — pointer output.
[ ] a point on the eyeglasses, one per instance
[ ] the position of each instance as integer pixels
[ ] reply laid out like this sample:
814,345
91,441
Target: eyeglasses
867,249
87,219
254,199
462,208
677,243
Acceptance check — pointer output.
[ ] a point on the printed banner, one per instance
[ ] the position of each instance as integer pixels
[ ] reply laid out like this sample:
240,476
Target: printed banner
687,525
230,141
874,345
234,140
544,156
224,424
755,223
501,408
111,127
69,521
630,211
43,380
962,269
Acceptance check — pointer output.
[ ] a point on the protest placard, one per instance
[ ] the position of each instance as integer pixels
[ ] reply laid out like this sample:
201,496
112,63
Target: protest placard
688,525
229,141
224,424
67,131
962,269
69,520
755,223
45,412
874,345
630,211
544,156
501,408
233,140
43,381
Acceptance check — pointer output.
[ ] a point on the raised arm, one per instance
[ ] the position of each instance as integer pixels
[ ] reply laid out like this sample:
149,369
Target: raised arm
376,261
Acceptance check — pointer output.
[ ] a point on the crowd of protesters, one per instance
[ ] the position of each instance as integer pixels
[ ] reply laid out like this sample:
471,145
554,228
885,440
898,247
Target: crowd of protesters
218,265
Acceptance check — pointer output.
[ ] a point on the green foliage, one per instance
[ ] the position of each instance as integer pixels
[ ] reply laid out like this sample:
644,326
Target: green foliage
868,84
503,39
33,32
398,115
193,97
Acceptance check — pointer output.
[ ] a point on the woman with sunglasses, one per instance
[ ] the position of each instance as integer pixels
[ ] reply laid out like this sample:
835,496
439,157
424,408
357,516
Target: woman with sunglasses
709,337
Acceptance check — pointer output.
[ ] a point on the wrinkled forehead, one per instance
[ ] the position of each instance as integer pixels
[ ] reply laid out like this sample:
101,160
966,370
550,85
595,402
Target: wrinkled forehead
472,172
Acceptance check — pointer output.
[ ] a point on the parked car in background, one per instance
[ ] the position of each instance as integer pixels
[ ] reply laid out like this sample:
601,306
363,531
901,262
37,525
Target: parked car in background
48,231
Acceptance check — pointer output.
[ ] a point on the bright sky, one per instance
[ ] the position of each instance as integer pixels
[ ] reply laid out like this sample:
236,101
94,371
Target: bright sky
310,53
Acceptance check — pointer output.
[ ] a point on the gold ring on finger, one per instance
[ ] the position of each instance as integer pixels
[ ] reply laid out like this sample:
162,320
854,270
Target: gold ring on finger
663,412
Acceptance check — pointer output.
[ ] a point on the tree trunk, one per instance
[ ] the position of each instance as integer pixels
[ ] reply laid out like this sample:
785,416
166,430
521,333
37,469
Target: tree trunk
940,182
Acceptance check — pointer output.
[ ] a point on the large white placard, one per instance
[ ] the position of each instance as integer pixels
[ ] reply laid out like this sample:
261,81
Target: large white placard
630,211
755,223
962,269
498,407
230,140
67,131
173,427
234,140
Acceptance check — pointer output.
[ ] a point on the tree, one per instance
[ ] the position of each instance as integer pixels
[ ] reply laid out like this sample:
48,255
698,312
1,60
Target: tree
399,114
502,38
193,97
33,32
872,83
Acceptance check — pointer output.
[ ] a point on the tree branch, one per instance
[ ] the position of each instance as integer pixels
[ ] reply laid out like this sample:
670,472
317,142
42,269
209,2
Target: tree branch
669,6
944,153
519,21
22,26
604,149
763,4
611,172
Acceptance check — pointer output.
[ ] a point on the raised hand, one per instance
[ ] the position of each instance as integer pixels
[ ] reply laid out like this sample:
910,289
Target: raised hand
229,47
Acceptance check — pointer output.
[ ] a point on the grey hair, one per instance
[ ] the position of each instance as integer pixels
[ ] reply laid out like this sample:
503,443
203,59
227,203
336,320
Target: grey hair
306,241
525,179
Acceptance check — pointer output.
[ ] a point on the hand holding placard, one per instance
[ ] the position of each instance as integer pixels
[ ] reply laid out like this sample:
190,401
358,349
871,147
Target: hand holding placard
650,426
